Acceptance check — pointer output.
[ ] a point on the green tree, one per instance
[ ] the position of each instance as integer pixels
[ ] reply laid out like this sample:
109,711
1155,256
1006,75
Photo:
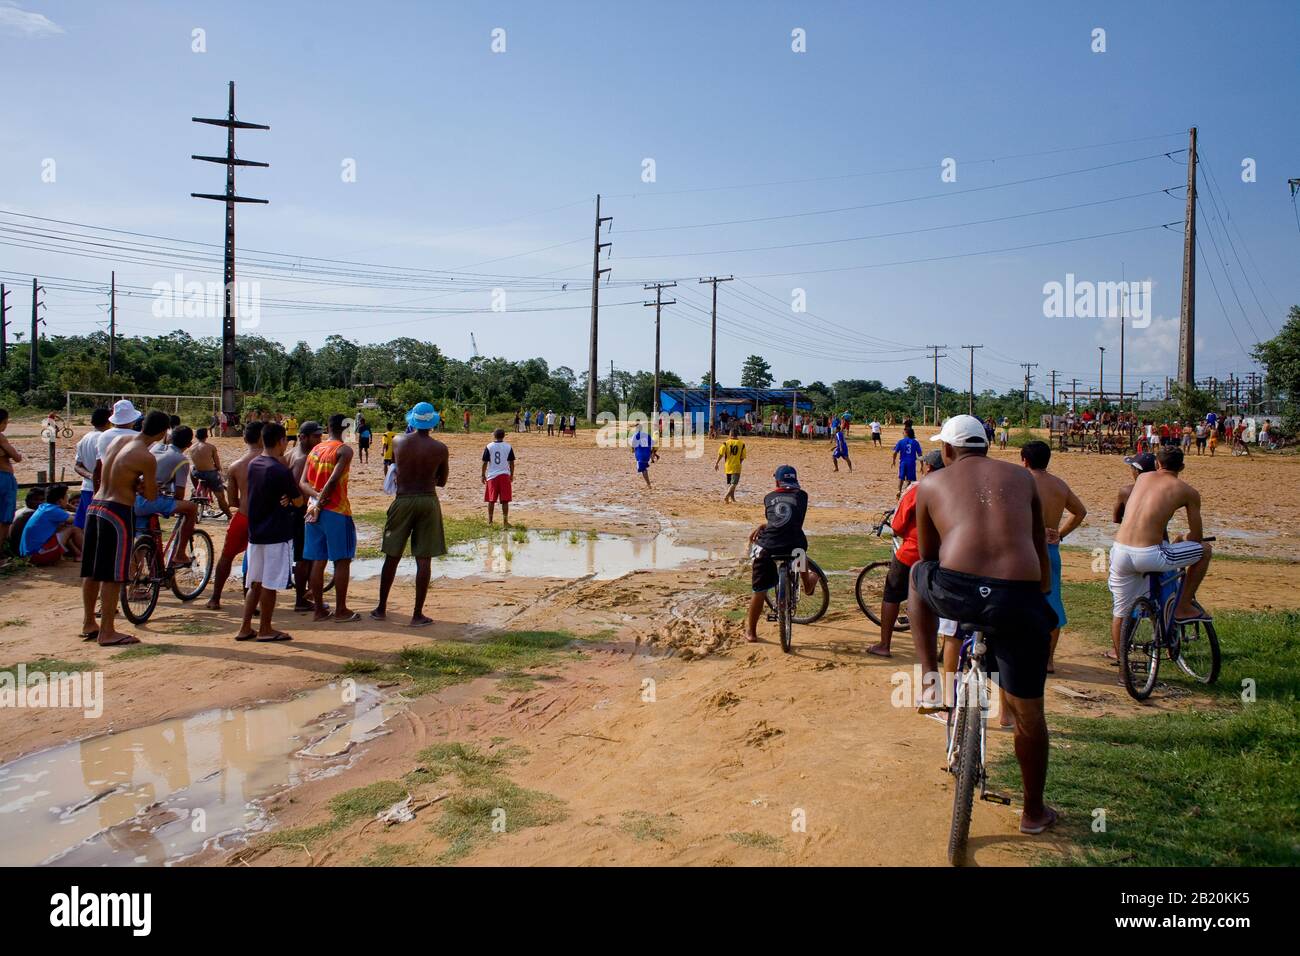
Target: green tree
756,373
1280,357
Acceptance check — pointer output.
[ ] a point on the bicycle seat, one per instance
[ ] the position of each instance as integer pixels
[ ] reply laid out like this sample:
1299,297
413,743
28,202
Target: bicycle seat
969,627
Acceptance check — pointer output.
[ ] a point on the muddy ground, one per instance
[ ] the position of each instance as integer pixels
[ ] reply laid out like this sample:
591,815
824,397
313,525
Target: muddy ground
662,738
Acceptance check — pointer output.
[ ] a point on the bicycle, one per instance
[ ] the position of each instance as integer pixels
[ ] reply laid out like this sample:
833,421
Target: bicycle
966,736
783,599
202,496
1150,628
151,566
870,586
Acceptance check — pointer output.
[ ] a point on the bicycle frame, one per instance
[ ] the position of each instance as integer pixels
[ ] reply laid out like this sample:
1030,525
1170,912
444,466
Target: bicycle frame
971,678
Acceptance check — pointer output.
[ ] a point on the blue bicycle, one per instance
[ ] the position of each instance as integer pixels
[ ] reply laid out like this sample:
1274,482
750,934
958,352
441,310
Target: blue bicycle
1150,629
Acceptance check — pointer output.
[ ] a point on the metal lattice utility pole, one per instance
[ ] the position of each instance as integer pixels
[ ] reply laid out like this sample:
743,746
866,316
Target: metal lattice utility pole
229,380
1187,315
658,303
713,346
596,272
970,404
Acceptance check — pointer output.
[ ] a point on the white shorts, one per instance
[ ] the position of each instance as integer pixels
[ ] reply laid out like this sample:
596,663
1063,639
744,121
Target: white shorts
269,565
1129,567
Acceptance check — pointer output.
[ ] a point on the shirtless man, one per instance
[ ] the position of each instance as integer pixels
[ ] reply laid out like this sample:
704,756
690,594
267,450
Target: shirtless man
308,437
1140,464
8,482
237,533
422,466
207,468
1056,498
127,465
984,561
1141,546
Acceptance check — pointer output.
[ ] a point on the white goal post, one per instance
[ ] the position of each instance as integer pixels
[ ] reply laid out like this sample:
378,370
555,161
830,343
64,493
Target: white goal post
164,402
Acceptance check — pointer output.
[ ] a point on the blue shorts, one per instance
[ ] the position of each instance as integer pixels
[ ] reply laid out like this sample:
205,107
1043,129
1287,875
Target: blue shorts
907,472
164,506
642,465
1054,596
331,537
83,503
8,497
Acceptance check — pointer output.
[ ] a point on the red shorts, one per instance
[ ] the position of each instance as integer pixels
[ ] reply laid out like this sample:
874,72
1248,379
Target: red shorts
236,537
497,489
50,552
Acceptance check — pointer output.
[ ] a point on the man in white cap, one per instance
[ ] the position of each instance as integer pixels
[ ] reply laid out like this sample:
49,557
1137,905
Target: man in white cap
124,421
983,561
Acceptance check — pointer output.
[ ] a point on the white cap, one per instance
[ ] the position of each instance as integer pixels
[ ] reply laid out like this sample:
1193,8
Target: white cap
124,413
963,431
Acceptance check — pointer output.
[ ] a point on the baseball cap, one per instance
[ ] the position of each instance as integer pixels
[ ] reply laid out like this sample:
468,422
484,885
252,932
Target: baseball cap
423,417
933,460
963,431
124,413
786,476
1142,463
310,428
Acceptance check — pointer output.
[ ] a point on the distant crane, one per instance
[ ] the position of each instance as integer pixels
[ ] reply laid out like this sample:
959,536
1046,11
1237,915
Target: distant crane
473,345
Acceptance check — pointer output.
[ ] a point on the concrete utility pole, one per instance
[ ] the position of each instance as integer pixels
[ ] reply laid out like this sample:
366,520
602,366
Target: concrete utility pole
970,403
229,379
112,323
4,326
1101,377
1074,395
1024,415
935,350
33,350
1187,316
596,272
1123,313
1054,373
658,303
713,346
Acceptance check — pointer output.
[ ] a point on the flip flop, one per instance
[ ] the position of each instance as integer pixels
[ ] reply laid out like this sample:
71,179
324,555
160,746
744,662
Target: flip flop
1052,817
355,616
122,639
274,636
251,636
90,635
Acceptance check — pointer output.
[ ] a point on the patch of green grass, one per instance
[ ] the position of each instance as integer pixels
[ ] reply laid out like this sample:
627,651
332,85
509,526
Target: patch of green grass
345,808
14,622
362,667
599,637
757,840
144,650
48,665
431,667
14,567
456,530
650,826
841,552
189,626
519,535
392,854
493,699
573,537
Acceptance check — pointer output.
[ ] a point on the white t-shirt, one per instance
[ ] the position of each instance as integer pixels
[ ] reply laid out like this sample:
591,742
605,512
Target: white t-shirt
550,418
86,455
498,455
875,428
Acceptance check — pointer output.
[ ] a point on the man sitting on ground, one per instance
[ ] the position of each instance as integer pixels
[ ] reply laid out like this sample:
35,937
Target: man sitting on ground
50,532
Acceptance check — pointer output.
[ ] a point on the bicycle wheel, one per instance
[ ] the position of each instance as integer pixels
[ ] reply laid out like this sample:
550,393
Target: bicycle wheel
1198,651
1139,650
188,583
140,589
969,771
870,592
785,605
808,607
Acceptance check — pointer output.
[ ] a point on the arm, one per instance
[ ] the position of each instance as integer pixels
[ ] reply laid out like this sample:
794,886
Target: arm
1117,512
483,471
10,451
1078,511
927,534
148,475
441,472
1039,533
1195,529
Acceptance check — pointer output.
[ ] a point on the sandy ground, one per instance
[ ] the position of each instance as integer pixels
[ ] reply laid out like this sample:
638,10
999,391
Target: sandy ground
737,740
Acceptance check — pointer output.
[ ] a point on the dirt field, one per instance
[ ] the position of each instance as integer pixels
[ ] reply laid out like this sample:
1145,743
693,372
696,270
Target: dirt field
737,741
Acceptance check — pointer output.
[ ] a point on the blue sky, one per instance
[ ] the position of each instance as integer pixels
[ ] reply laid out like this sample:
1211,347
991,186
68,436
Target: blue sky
465,157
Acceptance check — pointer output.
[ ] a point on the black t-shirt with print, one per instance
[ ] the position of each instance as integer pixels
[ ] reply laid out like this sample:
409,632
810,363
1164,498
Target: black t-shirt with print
785,510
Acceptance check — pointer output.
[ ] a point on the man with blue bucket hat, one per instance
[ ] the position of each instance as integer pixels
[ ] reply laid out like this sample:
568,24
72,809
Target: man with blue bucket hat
415,515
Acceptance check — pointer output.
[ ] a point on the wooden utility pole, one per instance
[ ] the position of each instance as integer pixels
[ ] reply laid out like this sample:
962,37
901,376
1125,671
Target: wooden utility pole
1024,415
1187,315
935,350
112,323
658,303
970,403
713,346
4,326
596,272
229,380
33,350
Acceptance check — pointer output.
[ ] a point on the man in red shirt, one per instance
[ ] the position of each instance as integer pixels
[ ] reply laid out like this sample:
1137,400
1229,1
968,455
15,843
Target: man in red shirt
906,554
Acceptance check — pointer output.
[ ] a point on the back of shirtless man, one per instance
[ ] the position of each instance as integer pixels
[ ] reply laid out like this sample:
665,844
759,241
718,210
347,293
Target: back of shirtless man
1057,499
236,542
1141,547
206,463
128,467
984,562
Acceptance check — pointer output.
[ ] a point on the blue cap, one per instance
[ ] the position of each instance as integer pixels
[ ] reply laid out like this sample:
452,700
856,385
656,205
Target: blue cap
423,417
786,476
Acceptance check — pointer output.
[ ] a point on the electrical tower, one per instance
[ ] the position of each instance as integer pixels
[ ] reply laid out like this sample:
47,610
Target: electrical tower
229,380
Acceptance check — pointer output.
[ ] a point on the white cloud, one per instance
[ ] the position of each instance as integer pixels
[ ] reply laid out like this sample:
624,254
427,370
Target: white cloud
15,20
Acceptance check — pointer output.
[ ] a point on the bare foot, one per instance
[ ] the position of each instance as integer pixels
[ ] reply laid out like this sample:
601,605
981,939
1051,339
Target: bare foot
379,615
213,605
880,650
751,638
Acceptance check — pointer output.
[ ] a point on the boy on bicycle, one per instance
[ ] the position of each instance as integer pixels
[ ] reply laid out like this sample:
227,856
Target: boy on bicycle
779,536
1141,547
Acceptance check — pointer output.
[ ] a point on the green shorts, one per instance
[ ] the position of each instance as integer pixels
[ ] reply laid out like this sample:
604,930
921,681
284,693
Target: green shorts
419,519
733,479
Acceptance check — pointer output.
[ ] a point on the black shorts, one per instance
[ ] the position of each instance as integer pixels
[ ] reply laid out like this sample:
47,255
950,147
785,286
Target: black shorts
106,551
896,582
363,443
733,479
1015,616
299,533
875,437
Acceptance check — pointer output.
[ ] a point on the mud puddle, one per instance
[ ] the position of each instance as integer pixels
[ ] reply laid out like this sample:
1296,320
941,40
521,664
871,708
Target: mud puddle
158,794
